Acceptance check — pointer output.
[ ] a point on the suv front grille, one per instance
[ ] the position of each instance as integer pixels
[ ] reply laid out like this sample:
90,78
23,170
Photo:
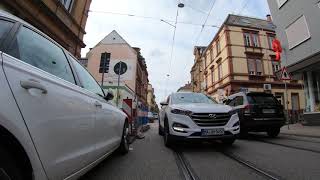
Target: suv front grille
210,119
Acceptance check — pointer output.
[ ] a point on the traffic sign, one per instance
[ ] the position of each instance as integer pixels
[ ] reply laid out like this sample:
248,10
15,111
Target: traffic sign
120,68
284,74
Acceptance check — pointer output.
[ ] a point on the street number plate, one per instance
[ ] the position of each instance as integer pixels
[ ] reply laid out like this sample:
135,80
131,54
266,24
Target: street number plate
211,132
268,111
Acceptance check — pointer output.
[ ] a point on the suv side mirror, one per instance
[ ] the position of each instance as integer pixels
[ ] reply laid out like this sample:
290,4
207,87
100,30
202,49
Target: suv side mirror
109,96
163,103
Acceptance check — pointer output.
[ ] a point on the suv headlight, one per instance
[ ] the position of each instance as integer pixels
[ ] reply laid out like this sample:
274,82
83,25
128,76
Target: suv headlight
182,112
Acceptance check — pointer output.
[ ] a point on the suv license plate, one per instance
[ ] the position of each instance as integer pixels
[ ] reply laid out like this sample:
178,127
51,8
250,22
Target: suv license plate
268,111
210,132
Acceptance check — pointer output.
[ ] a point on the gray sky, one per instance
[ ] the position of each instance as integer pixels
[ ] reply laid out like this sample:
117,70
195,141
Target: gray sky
155,37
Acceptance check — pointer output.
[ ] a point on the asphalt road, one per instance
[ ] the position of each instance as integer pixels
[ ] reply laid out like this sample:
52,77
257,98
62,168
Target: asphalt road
286,157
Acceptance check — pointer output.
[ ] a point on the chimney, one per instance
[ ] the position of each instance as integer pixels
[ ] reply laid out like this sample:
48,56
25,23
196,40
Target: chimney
269,19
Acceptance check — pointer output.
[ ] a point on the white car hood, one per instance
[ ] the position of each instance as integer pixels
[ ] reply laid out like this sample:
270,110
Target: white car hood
203,108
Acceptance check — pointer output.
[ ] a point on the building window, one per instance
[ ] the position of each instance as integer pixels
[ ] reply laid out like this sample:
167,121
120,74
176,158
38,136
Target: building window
247,39
255,66
220,71
211,55
212,74
251,39
218,46
297,32
67,4
276,66
271,37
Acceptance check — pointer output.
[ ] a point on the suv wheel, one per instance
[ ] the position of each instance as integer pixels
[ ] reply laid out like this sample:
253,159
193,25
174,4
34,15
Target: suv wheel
9,169
243,133
166,135
274,132
124,145
160,130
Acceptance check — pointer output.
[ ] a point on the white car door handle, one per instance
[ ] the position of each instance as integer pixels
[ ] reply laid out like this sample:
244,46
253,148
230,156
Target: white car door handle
97,104
33,84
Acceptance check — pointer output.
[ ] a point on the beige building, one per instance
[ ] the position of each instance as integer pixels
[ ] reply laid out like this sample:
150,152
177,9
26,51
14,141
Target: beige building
186,88
133,82
151,99
240,58
197,77
63,20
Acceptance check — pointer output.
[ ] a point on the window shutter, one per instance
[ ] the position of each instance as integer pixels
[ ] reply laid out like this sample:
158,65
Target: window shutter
259,66
251,66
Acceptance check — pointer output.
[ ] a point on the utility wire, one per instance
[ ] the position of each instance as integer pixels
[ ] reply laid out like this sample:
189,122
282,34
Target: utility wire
171,54
150,18
205,22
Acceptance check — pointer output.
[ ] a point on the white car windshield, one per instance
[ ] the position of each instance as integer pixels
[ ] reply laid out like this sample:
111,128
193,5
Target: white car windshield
184,98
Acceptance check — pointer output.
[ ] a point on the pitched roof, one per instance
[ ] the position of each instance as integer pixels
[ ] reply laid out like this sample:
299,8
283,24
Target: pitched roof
250,22
113,38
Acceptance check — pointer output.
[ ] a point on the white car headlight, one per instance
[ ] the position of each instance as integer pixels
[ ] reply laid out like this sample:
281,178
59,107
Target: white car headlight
182,112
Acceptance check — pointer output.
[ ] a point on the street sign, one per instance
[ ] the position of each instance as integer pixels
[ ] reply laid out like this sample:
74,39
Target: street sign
284,74
120,68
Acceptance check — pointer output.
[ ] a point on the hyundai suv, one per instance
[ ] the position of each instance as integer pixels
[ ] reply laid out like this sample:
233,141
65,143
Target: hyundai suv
190,116
258,112
55,120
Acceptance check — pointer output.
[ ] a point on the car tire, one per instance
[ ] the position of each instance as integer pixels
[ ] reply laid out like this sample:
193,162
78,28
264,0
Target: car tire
243,133
273,132
160,131
9,167
228,142
124,145
168,142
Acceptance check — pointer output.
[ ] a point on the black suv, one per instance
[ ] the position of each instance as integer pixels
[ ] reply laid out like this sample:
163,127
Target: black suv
258,112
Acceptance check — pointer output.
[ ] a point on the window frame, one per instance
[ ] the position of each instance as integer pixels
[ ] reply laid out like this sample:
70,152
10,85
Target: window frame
212,74
79,81
255,59
218,46
68,6
270,35
251,36
220,74
20,25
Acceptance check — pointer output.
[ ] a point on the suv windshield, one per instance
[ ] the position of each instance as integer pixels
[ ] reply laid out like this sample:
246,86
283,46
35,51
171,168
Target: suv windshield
183,98
261,99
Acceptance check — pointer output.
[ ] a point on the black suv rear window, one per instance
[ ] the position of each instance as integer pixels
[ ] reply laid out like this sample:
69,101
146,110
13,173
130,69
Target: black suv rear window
261,99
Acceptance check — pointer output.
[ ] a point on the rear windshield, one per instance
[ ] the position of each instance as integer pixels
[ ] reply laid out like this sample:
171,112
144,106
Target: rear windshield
262,99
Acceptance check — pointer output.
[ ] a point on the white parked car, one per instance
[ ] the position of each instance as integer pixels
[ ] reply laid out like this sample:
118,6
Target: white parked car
195,116
55,120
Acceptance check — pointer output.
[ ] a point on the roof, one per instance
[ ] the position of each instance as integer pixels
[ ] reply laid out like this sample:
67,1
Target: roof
250,22
243,21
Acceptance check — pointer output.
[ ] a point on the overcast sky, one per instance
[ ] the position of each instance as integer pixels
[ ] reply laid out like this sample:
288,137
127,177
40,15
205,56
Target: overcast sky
155,37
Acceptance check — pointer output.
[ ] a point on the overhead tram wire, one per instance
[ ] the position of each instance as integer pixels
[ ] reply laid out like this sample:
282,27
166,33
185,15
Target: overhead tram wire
150,18
205,22
171,54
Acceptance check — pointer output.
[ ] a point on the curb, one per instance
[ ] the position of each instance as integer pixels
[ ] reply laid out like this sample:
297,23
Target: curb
301,135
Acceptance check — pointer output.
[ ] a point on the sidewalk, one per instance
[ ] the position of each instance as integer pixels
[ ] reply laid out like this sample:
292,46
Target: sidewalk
300,130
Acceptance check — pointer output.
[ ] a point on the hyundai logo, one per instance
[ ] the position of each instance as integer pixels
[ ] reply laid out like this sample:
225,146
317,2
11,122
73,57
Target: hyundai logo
213,116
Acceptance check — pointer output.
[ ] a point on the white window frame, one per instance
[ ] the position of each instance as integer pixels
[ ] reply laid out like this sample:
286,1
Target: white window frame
67,4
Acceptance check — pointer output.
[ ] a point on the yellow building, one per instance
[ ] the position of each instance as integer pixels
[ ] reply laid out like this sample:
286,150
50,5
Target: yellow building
197,82
240,58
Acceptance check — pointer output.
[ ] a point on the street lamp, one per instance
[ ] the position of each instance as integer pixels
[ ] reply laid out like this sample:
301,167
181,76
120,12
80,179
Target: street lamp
180,5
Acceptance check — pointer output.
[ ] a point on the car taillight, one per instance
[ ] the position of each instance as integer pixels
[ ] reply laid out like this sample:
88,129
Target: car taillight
247,109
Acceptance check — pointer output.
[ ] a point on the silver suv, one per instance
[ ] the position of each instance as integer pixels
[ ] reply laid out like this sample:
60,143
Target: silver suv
55,120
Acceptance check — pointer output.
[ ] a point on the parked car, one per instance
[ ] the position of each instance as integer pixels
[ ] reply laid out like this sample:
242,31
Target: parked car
155,115
258,112
55,120
189,116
